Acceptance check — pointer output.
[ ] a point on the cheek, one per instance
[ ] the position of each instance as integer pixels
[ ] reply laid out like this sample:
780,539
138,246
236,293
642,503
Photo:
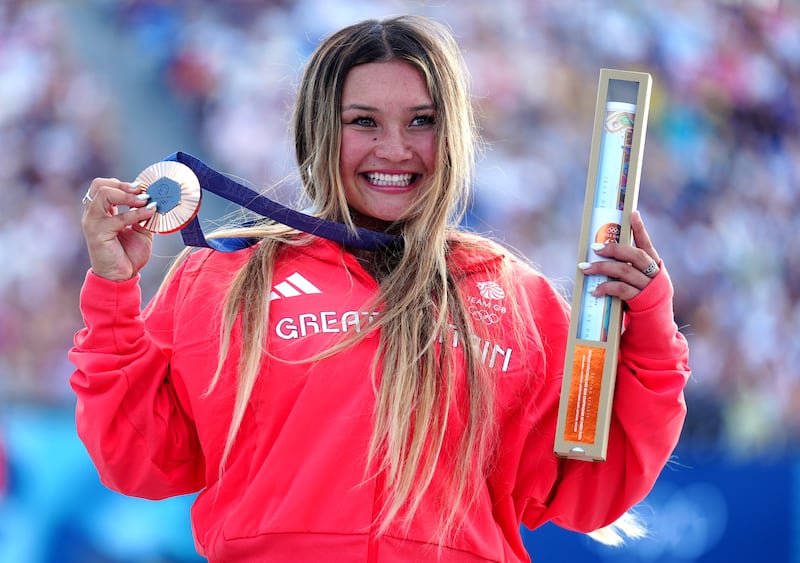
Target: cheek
352,152
427,153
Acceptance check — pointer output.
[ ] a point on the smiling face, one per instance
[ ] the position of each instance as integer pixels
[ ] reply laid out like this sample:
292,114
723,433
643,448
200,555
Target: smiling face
388,141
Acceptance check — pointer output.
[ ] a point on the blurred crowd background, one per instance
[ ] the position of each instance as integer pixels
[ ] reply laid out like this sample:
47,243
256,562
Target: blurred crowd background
105,88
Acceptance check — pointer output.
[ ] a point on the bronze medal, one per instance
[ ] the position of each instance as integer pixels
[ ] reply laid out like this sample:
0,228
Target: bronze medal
176,191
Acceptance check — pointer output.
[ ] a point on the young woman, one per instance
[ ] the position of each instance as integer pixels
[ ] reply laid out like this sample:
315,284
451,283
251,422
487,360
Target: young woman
336,404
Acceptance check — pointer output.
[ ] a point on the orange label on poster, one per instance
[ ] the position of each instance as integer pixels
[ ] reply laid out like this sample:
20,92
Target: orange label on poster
584,394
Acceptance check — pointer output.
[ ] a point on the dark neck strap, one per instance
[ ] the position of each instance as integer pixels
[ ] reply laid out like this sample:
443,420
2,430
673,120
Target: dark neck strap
221,185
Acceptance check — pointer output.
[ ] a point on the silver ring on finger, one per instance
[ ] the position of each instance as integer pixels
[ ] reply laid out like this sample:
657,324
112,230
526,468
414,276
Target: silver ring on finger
87,198
651,270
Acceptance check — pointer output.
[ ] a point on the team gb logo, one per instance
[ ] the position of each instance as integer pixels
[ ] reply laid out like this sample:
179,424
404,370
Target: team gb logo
491,290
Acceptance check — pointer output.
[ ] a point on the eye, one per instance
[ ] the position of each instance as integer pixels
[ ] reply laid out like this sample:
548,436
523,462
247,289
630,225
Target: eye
363,121
423,120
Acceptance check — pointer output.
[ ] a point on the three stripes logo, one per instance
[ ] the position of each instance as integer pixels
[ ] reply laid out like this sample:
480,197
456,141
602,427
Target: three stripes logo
293,286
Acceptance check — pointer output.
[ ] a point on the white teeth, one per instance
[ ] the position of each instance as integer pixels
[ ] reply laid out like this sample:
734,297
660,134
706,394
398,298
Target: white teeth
389,179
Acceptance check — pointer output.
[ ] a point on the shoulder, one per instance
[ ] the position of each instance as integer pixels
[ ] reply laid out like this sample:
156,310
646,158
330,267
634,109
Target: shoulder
205,259
469,253
490,274
475,255
219,268
207,265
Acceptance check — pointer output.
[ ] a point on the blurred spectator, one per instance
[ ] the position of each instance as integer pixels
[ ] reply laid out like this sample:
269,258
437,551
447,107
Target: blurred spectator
3,472
56,130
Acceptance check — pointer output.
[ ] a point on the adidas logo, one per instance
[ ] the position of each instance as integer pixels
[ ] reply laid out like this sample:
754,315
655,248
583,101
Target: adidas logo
293,286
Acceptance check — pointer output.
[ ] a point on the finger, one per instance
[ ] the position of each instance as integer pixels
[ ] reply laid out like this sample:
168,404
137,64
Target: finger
616,288
643,256
108,191
623,272
641,237
106,226
96,185
618,256
131,217
107,200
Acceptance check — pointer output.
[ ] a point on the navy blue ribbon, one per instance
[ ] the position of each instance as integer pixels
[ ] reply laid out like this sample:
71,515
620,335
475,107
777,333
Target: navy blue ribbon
221,185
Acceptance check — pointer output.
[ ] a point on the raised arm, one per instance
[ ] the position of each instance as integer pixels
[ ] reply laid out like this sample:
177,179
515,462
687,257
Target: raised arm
130,414
648,409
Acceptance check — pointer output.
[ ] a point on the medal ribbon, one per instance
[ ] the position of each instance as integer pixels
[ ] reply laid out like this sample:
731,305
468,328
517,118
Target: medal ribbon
219,184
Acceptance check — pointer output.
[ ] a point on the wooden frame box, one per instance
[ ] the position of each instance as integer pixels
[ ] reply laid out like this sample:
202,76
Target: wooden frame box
612,187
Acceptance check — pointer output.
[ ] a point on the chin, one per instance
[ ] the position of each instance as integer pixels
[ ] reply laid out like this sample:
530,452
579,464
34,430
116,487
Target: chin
374,221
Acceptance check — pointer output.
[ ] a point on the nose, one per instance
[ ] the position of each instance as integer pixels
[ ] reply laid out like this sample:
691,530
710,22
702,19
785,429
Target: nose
393,144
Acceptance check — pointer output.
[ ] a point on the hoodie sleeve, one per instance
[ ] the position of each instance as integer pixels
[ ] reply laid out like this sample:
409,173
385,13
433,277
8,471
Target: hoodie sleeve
130,414
647,418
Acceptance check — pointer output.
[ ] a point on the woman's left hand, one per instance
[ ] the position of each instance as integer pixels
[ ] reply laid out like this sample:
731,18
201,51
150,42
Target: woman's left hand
631,268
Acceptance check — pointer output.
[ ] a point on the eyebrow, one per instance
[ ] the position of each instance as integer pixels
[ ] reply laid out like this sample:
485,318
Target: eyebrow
362,107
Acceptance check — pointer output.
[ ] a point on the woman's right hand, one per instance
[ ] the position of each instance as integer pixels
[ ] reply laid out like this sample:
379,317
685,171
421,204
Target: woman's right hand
118,246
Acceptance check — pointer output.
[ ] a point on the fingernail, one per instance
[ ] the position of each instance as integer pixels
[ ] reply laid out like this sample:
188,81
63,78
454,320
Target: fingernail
143,197
136,184
597,246
584,265
151,205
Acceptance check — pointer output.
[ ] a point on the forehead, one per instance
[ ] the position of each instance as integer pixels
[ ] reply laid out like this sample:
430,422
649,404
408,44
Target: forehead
391,82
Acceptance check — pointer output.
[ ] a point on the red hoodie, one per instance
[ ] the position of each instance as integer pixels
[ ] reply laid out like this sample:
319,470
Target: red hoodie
294,487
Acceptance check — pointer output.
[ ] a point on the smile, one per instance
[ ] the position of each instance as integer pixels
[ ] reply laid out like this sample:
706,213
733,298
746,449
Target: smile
386,180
